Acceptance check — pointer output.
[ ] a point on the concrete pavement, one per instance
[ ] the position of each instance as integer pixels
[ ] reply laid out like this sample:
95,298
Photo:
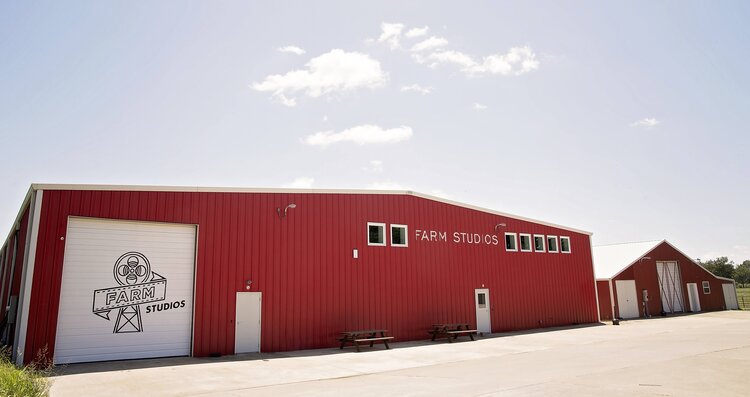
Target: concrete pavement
702,354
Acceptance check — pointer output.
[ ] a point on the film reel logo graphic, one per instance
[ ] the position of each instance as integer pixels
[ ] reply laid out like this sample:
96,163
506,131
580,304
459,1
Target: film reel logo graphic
138,284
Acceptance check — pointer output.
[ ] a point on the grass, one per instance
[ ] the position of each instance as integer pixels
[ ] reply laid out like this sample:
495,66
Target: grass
18,382
743,298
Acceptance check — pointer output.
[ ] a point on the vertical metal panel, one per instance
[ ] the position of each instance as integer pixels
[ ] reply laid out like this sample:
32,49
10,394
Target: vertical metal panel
605,300
312,286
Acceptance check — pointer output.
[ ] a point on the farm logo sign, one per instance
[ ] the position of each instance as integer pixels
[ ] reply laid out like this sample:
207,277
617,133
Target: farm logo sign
137,285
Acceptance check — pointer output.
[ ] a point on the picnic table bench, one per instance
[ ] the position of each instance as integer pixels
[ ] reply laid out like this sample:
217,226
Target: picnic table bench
452,331
364,336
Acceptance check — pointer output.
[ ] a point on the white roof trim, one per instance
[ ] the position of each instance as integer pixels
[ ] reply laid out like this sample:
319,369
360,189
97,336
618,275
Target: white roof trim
199,189
26,200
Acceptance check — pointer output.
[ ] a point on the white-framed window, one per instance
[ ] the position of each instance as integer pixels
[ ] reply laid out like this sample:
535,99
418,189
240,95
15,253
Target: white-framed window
565,244
552,244
524,240
399,235
539,245
706,287
375,233
510,242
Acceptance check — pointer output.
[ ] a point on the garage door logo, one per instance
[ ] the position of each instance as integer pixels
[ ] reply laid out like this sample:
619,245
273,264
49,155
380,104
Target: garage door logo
137,285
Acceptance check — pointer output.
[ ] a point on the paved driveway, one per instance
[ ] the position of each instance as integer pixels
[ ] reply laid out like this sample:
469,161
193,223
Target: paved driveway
699,355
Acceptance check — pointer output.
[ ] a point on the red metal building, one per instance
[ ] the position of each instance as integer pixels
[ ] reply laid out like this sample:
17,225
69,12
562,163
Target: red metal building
96,273
653,278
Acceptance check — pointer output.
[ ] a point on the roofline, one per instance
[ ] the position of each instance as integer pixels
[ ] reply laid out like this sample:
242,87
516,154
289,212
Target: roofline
701,266
17,221
640,257
673,247
200,189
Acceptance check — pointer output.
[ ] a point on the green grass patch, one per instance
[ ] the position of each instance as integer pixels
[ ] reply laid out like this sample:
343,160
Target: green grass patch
26,381
743,298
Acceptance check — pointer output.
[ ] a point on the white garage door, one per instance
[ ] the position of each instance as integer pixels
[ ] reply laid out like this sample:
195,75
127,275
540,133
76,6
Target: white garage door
127,291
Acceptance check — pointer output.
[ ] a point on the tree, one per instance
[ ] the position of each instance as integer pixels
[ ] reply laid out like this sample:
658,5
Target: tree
742,273
720,266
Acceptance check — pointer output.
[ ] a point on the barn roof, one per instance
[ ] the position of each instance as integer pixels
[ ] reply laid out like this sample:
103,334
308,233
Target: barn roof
43,186
609,260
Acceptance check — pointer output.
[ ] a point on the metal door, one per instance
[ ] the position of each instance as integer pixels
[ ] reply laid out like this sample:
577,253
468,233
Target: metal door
627,300
247,322
482,302
730,297
693,297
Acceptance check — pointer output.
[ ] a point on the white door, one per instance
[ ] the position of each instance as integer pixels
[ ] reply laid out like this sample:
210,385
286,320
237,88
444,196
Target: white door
670,286
627,300
693,297
127,291
247,323
730,297
482,302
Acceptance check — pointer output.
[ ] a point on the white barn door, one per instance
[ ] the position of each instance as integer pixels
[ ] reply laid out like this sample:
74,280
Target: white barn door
693,297
627,300
127,291
670,286
730,297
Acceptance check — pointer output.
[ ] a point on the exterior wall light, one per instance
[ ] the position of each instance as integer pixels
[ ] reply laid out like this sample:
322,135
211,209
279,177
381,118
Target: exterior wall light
283,215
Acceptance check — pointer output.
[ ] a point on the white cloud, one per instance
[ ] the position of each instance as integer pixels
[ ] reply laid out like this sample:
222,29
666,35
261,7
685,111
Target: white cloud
325,117
361,135
479,106
417,32
455,57
416,88
646,123
332,72
517,61
375,167
292,49
429,44
391,34
300,183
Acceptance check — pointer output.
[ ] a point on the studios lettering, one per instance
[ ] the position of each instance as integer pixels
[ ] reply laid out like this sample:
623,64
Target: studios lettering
137,285
437,236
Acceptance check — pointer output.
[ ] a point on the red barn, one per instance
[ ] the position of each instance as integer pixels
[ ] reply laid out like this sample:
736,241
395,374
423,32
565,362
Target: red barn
655,278
94,273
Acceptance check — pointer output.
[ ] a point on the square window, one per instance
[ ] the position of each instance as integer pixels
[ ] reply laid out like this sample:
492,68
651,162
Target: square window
552,244
510,242
525,241
539,243
706,287
375,233
481,301
565,244
398,236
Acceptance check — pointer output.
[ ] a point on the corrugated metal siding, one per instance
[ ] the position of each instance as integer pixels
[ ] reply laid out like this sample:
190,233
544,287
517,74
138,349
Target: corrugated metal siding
605,303
13,273
644,274
312,287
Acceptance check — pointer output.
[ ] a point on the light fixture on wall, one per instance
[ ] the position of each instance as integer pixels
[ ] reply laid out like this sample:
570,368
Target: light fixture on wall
247,284
644,258
283,215
499,225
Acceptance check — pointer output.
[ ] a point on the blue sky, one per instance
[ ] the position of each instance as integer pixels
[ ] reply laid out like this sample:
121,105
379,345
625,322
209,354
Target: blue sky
628,120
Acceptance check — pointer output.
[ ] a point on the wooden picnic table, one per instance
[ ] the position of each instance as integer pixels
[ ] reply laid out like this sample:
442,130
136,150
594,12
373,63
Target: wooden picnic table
369,335
452,331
